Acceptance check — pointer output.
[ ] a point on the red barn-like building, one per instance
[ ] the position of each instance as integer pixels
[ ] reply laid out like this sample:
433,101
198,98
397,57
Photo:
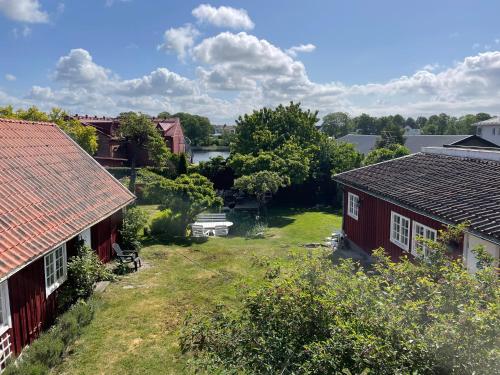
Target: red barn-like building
51,193
114,150
393,203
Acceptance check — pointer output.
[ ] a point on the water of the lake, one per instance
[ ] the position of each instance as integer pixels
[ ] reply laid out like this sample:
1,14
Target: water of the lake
200,155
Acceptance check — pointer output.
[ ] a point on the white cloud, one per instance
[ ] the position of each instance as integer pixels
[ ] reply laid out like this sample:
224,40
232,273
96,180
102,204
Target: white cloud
22,32
24,11
431,67
159,82
78,68
223,17
180,40
10,77
302,48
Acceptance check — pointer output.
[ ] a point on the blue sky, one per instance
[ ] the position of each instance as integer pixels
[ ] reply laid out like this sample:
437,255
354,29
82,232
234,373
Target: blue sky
223,59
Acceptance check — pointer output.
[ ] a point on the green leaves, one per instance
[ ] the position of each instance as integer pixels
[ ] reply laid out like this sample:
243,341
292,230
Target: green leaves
410,317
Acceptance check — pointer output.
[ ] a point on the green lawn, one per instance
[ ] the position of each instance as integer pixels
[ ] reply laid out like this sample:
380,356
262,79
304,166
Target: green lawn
136,327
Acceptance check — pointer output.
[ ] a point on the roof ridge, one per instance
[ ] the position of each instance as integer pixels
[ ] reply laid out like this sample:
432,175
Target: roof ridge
19,121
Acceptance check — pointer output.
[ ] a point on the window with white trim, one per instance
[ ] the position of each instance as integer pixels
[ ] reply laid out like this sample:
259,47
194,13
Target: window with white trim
400,230
424,232
5,324
353,205
55,269
4,307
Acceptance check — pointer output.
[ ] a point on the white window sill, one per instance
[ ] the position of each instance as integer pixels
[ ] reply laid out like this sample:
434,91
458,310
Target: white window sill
4,329
351,215
55,286
400,245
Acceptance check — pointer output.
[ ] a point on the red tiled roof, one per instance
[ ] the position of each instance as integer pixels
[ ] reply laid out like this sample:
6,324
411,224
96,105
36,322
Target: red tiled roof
50,191
169,126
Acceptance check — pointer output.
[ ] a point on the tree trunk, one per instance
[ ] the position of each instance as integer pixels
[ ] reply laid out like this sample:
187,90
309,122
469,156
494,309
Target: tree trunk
133,169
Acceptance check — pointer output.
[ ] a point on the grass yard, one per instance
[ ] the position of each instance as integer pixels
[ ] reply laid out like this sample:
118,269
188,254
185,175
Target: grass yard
135,330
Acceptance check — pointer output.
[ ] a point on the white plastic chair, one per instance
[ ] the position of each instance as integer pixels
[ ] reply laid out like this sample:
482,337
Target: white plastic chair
221,231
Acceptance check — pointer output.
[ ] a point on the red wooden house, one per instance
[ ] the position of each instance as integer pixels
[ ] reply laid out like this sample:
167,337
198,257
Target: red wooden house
393,203
172,132
114,150
51,193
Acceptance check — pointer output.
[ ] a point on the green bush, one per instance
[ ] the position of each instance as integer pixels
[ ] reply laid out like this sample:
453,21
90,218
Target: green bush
167,225
84,271
134,221
410,317
49,349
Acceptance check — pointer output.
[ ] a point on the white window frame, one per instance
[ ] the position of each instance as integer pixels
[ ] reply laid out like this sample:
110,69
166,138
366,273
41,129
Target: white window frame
414,241
6,321
395,237
353,205
51,263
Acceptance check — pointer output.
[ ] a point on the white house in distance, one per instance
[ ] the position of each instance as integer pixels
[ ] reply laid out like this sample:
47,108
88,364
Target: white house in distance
489,129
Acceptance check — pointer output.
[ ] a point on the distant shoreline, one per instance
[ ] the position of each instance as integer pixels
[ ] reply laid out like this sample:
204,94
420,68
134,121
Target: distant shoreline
209,148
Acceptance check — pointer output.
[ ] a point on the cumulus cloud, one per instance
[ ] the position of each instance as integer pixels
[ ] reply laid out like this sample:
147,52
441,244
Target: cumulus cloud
78,68
240,72
179,40
223,17
302,48
10,77
24,11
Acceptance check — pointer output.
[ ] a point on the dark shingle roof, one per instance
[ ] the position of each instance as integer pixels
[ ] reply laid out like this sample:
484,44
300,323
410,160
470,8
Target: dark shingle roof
366,143
50,191
454,189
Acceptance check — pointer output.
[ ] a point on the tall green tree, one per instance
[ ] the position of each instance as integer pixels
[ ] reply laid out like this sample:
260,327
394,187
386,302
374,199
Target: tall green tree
141,133
196,128
391,134
383,154
337,124
365,124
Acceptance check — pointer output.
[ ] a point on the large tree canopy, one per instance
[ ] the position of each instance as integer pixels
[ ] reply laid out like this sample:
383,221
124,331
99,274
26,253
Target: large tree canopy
196,128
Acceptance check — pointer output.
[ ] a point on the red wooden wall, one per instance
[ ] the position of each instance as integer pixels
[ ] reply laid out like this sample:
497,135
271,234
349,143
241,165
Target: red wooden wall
30,311
104,234
372,229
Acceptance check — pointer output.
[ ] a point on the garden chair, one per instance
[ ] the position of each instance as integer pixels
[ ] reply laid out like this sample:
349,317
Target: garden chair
127,256
221,231
198,231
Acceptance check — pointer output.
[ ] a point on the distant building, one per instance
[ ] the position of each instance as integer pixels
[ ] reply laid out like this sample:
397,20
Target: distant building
221,129
114,150
489,130
366,143
411,131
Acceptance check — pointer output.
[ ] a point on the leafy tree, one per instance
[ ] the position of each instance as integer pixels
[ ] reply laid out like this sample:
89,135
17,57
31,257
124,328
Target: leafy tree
32,114
411,123
261,184
365,124
336,124
164,115
142,134
421,316
268,129
7,112
218,171
382,154
392,134
420,122
187,195
182,167
196,128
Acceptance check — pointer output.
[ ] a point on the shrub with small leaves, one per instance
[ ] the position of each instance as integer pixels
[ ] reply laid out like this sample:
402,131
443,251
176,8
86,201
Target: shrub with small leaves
134,221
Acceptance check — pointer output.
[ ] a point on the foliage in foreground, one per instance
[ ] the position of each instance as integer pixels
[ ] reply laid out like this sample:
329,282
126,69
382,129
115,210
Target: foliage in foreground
49,349
134,221
427,317
84,271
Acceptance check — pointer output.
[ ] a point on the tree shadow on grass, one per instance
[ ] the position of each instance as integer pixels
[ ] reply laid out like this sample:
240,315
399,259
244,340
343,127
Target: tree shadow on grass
175,241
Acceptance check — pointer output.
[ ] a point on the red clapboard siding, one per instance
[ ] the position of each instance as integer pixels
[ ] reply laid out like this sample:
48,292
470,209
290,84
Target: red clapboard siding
104,234
30,311
372,229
